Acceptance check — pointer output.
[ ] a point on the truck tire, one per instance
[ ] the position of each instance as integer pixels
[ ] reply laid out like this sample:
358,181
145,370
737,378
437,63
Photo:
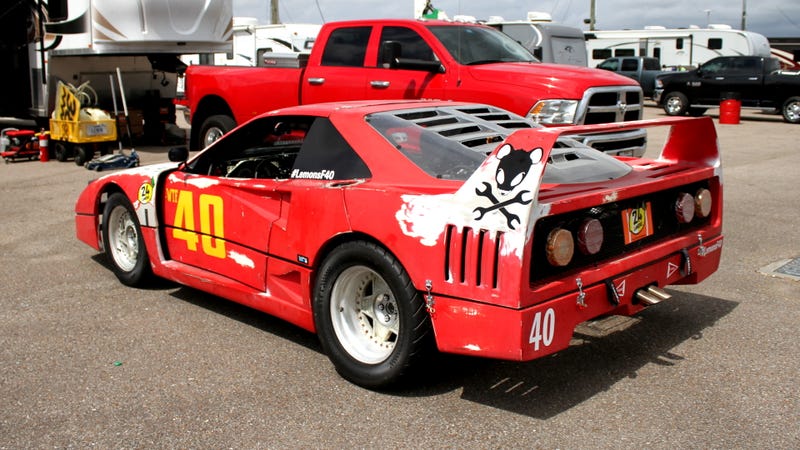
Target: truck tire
371,320
214,127
697,112
675,103
791,110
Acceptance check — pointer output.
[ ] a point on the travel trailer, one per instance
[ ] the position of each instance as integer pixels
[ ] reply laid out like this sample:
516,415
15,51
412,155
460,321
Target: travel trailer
675,48
251,40
79,41
548,41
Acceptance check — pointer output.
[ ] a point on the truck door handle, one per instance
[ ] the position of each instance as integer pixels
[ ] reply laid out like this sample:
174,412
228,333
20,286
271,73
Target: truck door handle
719,78
379,84
753,78
316,81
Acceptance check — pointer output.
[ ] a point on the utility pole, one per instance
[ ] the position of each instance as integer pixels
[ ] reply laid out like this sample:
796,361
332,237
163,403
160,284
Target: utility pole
273,12
744,15
591,15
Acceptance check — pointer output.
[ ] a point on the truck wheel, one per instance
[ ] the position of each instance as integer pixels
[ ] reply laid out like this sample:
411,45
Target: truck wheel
61,151
675,104
214,127
791,110
372,322
123,243
82,155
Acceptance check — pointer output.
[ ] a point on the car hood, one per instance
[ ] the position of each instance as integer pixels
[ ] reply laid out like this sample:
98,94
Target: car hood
571,81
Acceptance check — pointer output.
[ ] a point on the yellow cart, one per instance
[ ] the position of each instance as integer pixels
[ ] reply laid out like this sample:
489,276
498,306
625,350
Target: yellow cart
79,131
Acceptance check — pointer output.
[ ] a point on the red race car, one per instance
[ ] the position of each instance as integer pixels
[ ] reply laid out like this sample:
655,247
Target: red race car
393,228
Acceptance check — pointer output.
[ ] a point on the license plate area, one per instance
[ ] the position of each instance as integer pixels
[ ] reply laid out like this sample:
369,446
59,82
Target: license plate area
637,222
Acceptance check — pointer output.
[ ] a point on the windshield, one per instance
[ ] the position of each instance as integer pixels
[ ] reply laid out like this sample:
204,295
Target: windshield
473,45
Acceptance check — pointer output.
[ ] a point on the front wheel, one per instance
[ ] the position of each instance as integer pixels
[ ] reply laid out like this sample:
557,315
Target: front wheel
123,242
675,104
214,128
372,322
791,110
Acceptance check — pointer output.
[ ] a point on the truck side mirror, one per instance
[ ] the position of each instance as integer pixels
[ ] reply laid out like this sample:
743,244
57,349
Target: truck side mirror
390,52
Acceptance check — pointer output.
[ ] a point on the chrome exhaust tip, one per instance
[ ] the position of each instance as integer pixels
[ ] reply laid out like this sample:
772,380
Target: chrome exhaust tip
652,295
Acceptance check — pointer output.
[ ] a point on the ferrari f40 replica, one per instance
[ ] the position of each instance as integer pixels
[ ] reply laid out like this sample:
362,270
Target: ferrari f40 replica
395,228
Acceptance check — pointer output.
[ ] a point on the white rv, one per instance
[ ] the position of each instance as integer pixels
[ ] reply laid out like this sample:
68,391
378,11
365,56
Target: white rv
675,47
75,41
550,42
251,40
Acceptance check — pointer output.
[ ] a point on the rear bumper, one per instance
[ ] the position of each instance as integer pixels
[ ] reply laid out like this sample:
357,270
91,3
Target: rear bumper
480,329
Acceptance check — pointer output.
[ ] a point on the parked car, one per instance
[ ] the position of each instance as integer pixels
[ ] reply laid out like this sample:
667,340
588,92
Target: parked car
392,228
756,81
641,68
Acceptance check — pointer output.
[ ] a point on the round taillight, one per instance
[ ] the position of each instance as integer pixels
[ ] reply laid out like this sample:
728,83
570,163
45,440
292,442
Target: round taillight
684,207
702,203
590,236
560,247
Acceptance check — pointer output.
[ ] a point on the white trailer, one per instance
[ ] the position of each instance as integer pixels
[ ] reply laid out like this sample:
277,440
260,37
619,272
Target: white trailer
550,42
251,40
74,41
675,48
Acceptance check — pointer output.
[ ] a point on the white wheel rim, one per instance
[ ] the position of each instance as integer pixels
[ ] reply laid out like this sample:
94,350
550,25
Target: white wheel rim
793,111
674,104
364,315
212,135
123,238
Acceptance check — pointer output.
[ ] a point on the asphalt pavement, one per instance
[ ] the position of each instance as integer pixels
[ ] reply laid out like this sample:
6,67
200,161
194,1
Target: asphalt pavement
87,362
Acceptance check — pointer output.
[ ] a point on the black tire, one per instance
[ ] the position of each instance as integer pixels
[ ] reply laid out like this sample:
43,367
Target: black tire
61,151
675,103
372,322
697,112
123,242
791,110
214,128
82,155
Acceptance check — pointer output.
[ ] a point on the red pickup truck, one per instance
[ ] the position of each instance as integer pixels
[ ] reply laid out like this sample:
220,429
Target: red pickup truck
415,59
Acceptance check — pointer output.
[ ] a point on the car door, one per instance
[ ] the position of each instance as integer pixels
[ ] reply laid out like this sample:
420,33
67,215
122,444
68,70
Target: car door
385,83
339,75
218,210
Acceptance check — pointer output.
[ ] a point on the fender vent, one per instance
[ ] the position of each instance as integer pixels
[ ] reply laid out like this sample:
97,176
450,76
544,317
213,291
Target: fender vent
471,258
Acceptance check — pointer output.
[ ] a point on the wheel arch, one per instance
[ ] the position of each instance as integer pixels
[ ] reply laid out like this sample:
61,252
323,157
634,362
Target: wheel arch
209,106
339,240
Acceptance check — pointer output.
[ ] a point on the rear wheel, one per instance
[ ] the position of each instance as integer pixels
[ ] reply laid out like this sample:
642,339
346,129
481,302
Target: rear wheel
61,151
214,128
697,112
371,321
123,242
791,110
675,104
82,155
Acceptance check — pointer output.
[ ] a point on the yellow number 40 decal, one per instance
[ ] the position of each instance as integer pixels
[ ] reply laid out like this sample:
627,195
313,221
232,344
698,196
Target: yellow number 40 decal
211,213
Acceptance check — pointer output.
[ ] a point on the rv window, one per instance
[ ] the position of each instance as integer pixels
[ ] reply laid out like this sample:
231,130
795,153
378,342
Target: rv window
679,44
624,52
715,43
601,53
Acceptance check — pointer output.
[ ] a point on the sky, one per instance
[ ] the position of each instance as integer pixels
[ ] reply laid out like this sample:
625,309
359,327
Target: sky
772,18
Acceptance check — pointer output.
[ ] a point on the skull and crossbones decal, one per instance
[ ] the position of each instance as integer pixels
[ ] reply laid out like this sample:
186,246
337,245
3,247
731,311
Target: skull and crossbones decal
512,168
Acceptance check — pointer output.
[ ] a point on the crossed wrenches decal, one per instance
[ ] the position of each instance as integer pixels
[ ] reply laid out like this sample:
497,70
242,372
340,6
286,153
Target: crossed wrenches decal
501,206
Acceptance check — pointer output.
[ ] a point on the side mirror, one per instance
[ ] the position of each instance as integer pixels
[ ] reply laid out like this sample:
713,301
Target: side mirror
390,52
178,154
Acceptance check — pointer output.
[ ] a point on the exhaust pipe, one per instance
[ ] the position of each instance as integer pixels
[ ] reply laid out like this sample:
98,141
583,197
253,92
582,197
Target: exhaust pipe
652,295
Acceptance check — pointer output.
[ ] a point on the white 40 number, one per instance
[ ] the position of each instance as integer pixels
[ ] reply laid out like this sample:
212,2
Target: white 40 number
544,325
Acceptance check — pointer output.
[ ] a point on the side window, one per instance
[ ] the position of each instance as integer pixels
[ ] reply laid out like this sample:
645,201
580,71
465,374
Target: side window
610,64
715,43
326,155
411,44
679,44
629,65
601,53
624,52
346,47
265,148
